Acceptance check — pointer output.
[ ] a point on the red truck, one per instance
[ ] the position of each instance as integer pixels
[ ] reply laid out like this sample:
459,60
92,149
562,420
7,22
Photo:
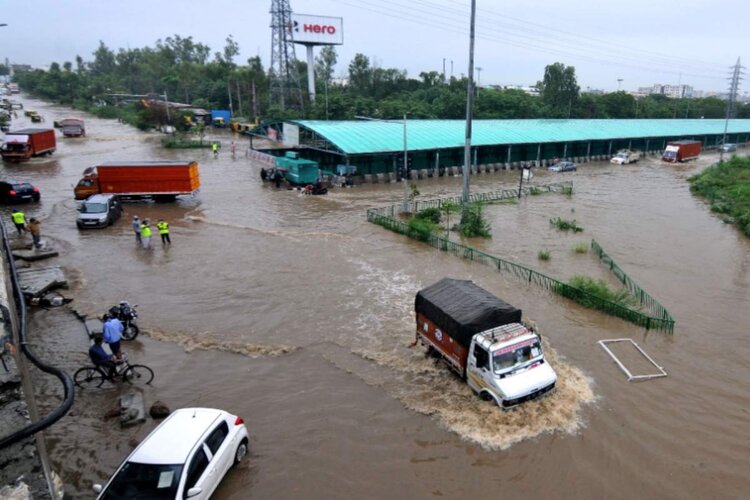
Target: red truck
23,144
160,180
678,151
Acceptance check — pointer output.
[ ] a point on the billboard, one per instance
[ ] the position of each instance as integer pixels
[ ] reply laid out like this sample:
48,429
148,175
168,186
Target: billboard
317,30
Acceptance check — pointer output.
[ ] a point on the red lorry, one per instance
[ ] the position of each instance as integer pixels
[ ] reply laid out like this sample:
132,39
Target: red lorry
160,180
678,151
23,144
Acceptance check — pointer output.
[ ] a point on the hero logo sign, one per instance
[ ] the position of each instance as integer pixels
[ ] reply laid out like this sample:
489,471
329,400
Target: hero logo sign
316,30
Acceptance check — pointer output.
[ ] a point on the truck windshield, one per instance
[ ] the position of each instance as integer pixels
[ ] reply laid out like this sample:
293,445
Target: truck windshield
515,355
94,208
670,155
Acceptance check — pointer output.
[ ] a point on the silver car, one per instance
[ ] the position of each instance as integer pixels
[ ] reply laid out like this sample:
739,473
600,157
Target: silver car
99,210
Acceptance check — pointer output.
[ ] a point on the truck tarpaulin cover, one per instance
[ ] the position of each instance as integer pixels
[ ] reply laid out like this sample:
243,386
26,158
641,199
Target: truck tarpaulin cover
461,309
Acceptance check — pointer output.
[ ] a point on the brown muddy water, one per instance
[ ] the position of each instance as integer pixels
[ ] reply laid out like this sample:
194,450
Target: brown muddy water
296,314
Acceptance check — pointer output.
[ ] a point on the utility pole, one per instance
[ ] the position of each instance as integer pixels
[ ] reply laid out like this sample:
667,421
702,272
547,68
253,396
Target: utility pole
479,78
734,85
283,75
166,106
469,105
444,79
405,177
619,84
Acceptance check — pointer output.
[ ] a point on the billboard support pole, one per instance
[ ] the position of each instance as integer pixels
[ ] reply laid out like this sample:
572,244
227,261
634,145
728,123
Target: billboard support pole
310,72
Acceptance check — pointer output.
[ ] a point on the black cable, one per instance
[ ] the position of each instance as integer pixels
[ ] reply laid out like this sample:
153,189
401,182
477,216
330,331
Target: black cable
67,381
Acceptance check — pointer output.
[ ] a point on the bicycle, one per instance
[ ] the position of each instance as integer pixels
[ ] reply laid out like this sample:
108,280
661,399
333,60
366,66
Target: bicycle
94,376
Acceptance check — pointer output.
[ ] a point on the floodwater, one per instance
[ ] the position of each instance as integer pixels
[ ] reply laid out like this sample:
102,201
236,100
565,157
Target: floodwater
296,314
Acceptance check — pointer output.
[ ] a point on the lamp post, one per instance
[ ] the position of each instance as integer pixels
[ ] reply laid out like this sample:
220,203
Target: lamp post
405,176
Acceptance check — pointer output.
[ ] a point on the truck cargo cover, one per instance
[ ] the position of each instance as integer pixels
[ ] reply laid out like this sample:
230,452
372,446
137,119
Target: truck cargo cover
461,308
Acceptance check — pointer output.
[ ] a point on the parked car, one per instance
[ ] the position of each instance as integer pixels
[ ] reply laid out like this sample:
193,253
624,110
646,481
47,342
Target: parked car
728,148
15,192
186,456
99,210
563,166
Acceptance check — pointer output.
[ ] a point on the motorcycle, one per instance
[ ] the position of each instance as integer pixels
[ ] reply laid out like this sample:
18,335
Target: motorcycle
127,315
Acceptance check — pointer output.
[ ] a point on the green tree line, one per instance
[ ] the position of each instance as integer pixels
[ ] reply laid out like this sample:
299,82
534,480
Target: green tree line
188,72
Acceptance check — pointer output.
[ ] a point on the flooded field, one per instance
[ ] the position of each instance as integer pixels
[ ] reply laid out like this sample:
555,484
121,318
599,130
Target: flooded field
295,313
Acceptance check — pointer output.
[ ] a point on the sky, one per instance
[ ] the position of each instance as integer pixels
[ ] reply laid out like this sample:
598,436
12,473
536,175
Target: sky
611,44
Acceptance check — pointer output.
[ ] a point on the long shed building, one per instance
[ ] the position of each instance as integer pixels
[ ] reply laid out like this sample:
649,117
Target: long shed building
437,146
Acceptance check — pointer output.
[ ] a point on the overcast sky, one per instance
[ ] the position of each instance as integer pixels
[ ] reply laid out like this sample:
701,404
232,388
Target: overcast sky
639,41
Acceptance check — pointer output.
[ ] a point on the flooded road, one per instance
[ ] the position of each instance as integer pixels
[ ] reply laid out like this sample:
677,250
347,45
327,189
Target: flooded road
295,313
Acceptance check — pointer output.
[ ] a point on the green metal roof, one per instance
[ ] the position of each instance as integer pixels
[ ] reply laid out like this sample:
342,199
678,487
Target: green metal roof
365,136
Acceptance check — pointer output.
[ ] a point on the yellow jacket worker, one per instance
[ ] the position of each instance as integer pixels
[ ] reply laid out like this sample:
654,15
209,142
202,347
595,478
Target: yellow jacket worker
19,219
163,227
146,234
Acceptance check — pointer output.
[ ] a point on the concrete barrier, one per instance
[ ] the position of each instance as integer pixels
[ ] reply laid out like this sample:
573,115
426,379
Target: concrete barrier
424,173
390,177
368,178
380,178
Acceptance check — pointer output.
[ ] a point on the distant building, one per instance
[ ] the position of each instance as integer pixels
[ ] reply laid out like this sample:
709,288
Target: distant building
529,89
673,91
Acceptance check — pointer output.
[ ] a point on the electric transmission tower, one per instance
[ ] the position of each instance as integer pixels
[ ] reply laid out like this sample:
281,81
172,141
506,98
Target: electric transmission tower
734,86
284,77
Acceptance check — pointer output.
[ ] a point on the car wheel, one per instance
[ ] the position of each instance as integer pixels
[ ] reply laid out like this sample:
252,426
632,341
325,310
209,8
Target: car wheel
241,452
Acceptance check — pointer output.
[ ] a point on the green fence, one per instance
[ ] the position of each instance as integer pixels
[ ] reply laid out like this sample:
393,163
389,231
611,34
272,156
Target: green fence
654,315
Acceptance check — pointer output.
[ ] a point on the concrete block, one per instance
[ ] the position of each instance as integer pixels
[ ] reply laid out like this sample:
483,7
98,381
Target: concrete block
380,178
391,176
35,254
423,173
38,281
132,409
367,178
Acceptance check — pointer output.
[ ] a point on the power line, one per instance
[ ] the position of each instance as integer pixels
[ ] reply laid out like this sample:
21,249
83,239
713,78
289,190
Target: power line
431,19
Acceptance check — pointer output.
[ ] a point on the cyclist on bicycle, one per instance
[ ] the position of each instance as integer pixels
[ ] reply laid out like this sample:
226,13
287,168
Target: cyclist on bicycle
100,358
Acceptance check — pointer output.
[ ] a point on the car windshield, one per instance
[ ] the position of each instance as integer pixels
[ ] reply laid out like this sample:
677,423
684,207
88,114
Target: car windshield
21,187
510,357
144,481
94,208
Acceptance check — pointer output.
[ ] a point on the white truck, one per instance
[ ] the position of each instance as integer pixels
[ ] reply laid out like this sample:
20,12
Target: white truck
482,339
625,156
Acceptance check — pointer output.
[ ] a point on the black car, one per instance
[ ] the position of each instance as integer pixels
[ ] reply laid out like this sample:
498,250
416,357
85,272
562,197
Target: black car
16,192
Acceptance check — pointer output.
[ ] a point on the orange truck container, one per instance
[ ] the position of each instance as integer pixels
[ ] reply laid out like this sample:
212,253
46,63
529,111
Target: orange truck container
23,144
160,180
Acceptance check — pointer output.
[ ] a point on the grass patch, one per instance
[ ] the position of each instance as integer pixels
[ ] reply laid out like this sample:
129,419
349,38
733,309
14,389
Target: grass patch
567,191
581,247
566,225
421,229
595,289
727,187
543,254
534,191
430,214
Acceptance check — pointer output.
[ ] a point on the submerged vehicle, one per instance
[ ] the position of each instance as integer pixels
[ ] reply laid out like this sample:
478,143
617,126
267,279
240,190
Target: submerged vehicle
679,151
160,180
29,142
483,340
73,127
625,156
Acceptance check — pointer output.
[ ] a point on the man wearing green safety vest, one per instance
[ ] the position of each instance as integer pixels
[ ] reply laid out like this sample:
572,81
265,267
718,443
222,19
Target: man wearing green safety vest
19,219
215,148
163,227
146,234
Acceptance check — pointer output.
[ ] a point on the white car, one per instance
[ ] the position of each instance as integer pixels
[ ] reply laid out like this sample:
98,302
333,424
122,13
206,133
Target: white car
186,456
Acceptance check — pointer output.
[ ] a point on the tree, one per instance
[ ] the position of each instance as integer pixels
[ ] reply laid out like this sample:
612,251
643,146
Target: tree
325,62
618,105
360,74
559,90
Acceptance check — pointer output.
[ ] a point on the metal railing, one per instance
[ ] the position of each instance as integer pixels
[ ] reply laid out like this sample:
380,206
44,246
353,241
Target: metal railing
657,317
67,381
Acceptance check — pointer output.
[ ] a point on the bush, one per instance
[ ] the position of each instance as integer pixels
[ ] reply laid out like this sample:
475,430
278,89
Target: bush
566,225
421,229
431,214
581,248
473,222
727,187
567,190
543,254
533,190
